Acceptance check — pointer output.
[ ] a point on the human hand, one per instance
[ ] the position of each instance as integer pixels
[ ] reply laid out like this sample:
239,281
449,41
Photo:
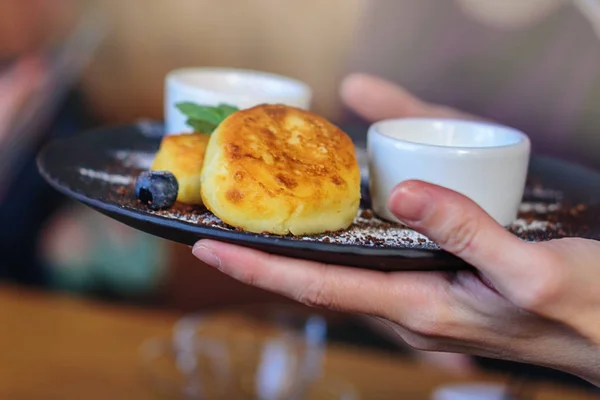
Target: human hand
525,302
17,84
528,302
28,25
376,99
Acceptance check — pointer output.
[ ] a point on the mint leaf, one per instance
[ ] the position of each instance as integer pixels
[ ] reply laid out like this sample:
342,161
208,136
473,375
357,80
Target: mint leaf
205,119
201,126
226,110
202,113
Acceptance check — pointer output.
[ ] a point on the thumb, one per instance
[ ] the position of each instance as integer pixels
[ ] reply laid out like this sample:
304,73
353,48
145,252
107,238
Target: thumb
375,99
462,228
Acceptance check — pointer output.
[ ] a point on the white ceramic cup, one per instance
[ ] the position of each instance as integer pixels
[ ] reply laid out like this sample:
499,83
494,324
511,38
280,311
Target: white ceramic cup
483,161
236,87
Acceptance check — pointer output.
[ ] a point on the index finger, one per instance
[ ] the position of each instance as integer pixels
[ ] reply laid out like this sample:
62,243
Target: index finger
316,284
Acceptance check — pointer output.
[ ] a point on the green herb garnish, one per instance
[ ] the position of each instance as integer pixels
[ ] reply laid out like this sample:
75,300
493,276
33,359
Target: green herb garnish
205,119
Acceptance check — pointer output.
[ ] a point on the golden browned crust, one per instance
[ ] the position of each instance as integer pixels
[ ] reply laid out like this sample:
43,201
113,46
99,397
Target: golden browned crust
279,169
183,156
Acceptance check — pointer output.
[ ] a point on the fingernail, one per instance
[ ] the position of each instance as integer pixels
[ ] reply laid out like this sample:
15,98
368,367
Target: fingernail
410,202
207,256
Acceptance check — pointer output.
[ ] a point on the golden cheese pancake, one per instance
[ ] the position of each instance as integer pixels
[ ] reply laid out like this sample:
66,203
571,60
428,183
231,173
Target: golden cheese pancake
281,170
183,156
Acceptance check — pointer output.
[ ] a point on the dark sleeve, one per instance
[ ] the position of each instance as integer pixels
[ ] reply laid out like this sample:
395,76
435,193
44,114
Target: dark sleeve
29,201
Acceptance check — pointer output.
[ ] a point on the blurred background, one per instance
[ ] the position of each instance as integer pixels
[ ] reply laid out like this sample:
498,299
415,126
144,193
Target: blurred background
118,54
71,65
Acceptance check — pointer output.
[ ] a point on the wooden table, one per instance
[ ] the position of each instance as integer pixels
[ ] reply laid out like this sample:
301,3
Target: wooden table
57,347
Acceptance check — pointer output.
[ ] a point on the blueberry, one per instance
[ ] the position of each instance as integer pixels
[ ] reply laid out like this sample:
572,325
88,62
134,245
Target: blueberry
157,189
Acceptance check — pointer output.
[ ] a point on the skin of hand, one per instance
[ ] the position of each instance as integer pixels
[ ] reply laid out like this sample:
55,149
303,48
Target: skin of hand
535,303
27,25
376,99
17,84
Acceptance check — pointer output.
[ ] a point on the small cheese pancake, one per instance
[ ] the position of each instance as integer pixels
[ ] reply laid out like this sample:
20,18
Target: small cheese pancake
281,170
183,156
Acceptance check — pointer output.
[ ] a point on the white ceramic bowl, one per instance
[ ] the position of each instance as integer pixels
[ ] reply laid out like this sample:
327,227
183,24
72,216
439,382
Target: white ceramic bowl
483,161
237,87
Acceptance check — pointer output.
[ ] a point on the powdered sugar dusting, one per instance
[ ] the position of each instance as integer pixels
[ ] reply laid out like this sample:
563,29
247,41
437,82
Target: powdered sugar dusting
116,179
367,229
193,216
134,159
381,237
542,214
539,207
522,225
542,193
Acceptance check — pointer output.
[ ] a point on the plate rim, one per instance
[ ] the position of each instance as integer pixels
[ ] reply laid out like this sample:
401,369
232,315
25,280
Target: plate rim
217,233
150,130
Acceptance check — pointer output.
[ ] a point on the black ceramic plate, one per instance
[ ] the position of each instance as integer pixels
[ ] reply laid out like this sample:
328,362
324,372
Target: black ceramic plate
98,168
